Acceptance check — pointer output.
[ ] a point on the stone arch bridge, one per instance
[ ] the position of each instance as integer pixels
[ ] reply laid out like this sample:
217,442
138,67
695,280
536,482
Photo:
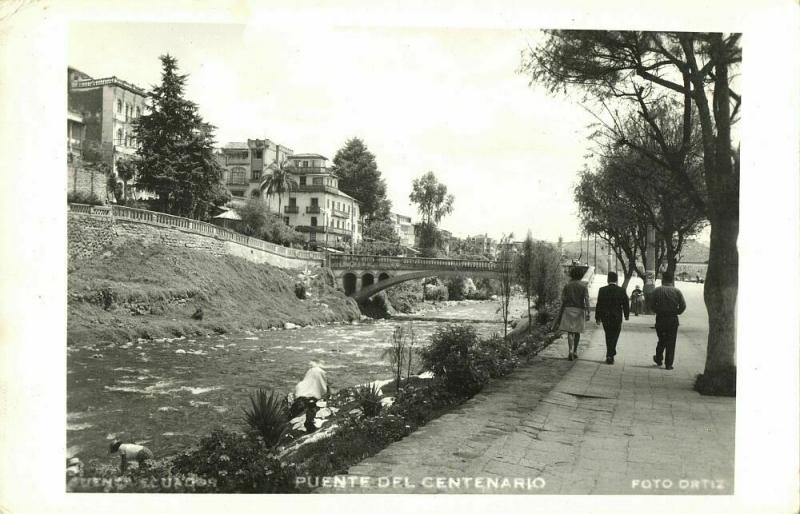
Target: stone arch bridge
361,276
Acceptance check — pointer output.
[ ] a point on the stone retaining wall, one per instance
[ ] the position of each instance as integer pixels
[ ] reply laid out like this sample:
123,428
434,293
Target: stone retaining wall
90,234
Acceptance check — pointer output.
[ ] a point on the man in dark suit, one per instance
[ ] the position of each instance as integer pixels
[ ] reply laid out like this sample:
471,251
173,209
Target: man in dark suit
612,303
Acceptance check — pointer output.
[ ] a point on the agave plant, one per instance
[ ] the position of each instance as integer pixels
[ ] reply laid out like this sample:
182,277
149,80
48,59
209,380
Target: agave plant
267,416
369,399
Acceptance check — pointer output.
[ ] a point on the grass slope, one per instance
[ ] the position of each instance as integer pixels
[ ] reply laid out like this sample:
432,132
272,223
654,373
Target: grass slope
134,291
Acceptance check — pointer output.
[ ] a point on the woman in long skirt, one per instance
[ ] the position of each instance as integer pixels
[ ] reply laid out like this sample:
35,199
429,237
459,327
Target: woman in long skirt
574,310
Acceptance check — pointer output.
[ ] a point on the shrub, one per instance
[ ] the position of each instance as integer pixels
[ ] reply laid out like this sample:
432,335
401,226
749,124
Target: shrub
436,293
267,417
368,398
84,198
237,463
496,356
300,290
453,355
405,296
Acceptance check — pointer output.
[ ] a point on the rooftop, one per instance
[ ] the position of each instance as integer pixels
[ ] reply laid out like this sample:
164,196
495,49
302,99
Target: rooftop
235,146
307,156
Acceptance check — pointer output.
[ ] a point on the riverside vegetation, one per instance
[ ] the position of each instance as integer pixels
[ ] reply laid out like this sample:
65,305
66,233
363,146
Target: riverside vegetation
266,456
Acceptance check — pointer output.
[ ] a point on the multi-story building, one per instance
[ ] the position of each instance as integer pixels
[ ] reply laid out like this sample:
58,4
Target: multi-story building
103,111
404,228
328,217
316,207
245,165
76,134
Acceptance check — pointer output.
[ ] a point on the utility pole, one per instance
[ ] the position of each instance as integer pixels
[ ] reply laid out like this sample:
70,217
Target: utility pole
608,260
650,270
595,251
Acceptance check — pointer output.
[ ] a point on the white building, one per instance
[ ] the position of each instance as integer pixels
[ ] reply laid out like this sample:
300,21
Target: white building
316,207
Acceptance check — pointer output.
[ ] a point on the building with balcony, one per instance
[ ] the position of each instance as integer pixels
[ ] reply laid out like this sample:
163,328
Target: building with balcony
317,208
102,111
244,165
404,228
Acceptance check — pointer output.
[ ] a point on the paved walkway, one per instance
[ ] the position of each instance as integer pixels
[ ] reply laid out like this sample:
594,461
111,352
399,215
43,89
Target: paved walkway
580,427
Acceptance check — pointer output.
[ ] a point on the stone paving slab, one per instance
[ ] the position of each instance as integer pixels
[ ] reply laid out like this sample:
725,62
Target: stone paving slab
583,427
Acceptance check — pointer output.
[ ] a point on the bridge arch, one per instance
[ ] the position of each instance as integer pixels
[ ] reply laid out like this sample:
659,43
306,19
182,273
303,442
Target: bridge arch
367,279
349,281
383,276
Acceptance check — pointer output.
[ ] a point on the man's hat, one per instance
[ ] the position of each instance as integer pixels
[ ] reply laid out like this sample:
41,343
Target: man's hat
612,277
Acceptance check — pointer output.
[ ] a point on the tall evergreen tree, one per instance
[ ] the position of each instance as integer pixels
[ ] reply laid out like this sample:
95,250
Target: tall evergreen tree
176,153
359,177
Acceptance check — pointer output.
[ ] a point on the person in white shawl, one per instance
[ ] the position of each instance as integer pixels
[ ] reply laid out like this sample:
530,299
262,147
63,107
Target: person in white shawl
308,391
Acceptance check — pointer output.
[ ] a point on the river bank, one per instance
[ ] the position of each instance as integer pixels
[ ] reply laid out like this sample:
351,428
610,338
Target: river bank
135,292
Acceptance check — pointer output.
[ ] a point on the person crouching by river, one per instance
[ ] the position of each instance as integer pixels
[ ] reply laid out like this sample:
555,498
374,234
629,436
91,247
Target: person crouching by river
308,391
574,310
129,451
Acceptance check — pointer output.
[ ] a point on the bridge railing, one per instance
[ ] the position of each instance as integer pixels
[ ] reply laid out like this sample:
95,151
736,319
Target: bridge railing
422,263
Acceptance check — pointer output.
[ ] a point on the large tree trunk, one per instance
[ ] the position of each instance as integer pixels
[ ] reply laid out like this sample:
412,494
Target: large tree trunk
721,288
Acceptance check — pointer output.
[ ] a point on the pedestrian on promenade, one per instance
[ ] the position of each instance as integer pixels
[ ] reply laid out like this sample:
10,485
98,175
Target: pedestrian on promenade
574,309
667,302
612,303
637,300
312,388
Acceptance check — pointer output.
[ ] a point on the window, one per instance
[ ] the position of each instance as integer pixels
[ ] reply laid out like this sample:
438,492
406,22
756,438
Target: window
286,219
119,106
293,202
259,154
119,137
329,203
138,111
317,181
302,181
237,193
238,176
313,221
315,202
305,164
255,175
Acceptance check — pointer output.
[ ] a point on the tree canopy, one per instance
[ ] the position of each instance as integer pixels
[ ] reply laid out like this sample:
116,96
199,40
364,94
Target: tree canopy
433,201
357,170
645,71
176,156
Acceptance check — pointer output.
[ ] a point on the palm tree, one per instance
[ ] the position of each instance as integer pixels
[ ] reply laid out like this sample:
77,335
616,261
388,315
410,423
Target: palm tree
279,181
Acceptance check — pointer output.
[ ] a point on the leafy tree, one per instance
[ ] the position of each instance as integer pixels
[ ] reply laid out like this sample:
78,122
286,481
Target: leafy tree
381,230
696,70
546,274
176,156
505,277
258,221
603,212
355,167
126,171
433,203
524,263
279,181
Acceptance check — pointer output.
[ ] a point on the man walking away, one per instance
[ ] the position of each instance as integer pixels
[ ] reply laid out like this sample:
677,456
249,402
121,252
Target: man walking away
667,302
612,303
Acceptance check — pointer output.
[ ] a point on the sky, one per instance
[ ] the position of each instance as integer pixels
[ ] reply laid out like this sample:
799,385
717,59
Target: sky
422,99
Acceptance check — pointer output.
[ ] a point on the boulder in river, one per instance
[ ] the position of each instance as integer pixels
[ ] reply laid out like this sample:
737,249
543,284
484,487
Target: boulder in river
289,326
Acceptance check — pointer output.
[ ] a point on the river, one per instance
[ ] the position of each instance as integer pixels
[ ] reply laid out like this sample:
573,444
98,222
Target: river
168,393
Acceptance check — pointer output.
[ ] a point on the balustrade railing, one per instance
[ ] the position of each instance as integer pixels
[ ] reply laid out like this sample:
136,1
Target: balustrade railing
422,263
200,227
